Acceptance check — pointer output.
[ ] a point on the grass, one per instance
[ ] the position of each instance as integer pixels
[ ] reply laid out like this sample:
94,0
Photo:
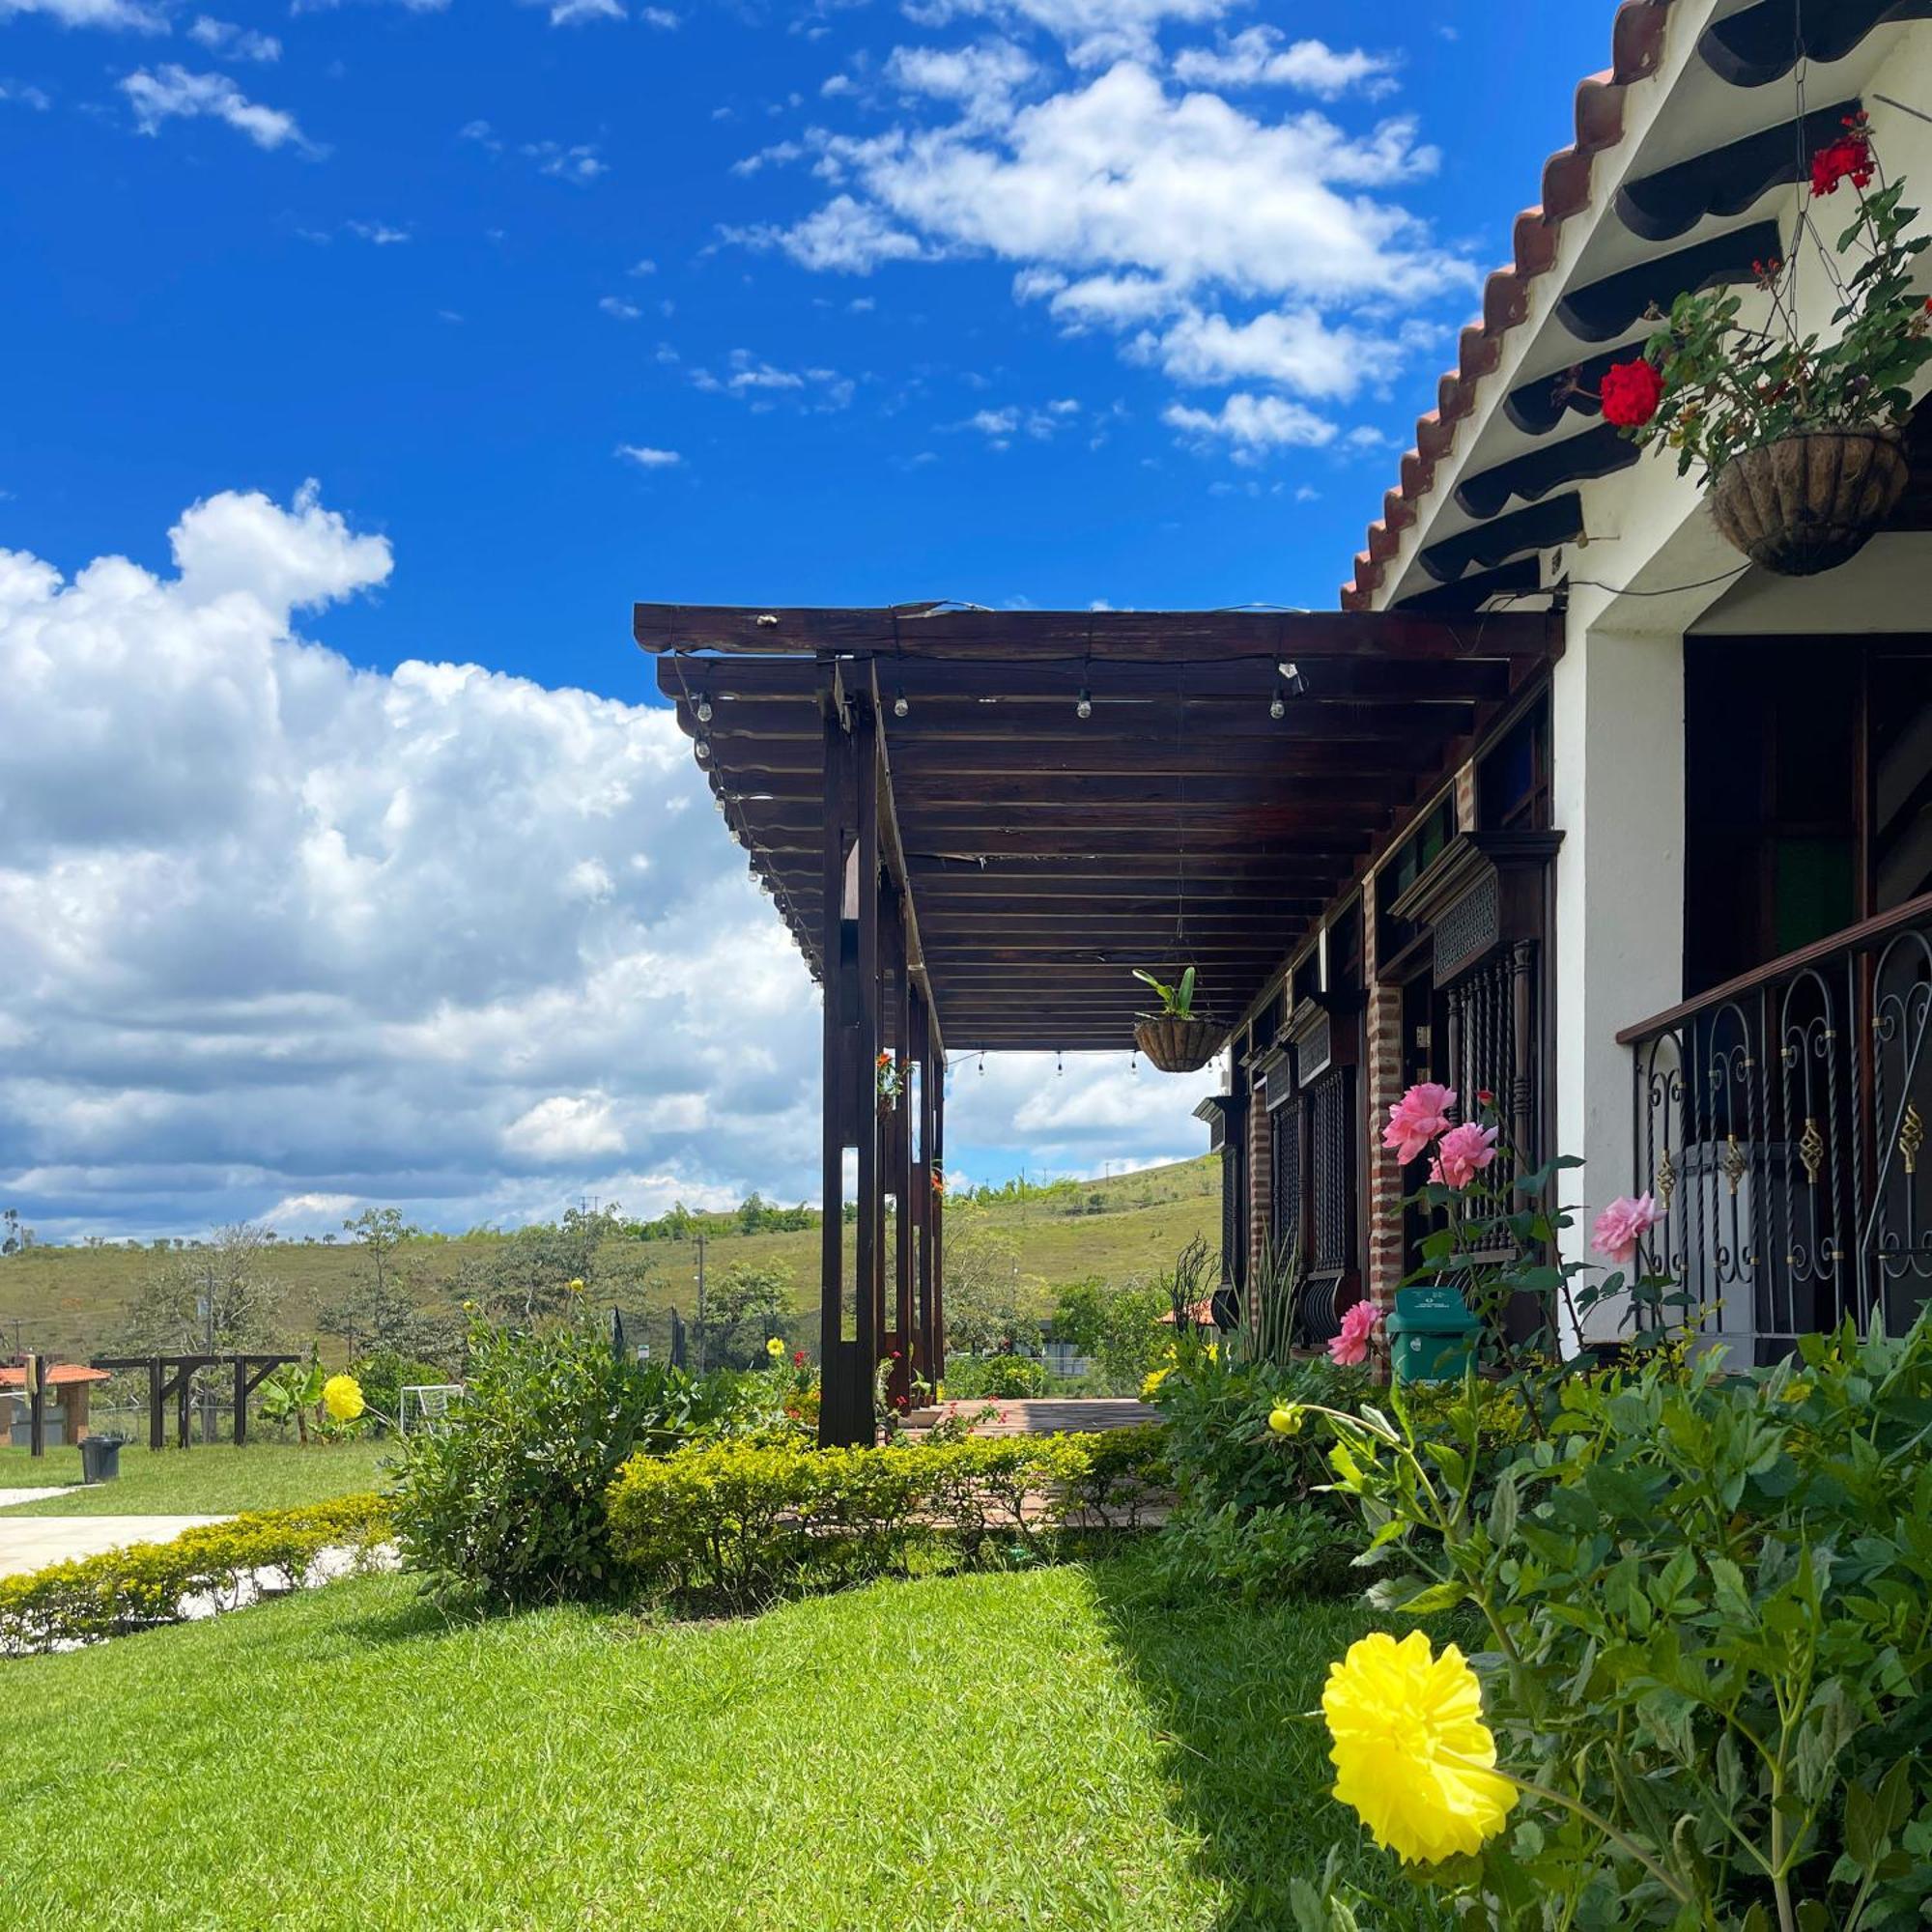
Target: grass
212,1479
1043,1749
68,1302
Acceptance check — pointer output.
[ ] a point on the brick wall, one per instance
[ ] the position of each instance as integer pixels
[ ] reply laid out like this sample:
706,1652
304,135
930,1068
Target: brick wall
1382,1084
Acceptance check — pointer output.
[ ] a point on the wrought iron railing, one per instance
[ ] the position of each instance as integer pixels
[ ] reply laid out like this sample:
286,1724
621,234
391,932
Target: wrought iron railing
1779,1121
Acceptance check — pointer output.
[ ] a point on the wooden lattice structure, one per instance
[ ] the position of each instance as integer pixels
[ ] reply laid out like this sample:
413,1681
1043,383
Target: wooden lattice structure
172,1377
977,823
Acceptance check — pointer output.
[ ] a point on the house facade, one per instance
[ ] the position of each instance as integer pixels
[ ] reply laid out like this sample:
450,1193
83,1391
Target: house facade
1672,909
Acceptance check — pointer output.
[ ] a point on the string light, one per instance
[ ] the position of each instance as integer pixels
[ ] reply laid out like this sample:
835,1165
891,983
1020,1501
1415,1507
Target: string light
1276,708
701,751
705,711
899,705
1085,708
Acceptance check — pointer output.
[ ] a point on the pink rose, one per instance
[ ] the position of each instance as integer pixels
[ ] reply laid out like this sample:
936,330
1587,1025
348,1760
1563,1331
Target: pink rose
1351,1347
1465,1152
1622,1224
1417,1118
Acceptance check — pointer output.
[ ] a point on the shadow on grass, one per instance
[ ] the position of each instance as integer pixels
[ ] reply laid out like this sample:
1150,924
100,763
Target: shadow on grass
1248,1773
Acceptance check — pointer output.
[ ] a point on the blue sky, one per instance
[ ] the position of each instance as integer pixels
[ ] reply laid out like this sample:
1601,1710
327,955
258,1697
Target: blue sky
1010,300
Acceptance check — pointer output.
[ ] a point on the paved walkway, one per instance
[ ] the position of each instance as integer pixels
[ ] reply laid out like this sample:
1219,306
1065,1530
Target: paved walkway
9,1497
1069,1415
30,1541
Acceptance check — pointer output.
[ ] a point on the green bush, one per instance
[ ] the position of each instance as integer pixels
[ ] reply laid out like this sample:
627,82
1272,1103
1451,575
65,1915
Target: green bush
148,1583
507,1498
1707,1597
743,1522
382,1374
1000,1377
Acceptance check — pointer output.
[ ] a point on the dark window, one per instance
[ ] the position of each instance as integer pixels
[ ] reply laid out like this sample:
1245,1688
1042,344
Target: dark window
1512,781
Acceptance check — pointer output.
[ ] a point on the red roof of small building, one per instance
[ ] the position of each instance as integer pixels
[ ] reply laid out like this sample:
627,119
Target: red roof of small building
58,1374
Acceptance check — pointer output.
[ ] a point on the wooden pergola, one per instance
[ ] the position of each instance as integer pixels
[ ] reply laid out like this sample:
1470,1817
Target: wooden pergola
1010,810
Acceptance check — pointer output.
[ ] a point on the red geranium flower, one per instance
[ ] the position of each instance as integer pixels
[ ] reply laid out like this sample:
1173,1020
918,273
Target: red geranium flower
1631,393
798,1356
1847,160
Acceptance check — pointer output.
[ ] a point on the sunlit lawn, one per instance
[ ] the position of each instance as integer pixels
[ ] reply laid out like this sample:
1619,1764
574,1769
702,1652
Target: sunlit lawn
209,1479
1048,1748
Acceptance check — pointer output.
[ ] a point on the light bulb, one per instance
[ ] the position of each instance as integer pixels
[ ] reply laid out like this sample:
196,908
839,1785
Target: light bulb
701,751
705,711
1085,708
899,705
1276,708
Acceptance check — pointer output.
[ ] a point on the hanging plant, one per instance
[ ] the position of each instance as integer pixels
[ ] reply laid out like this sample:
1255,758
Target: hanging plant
1175,1040
1797,439
892,1076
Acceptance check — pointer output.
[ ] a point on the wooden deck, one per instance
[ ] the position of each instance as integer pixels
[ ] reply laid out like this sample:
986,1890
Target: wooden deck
1069,1415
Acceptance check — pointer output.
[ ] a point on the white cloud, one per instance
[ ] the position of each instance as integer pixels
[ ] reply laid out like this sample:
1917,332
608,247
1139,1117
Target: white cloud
566,1128
980,80
23,94
754,380
647,457
1092,31
127,15
284,931
1000,425
380,234
172,93
576,12
579,161
232,43
1262,57
624,311
1292,348
1252,425
661,17
645,267
845,236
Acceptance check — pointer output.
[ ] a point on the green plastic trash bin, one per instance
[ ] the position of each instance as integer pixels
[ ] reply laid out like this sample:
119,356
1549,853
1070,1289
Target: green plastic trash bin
101,1457
1431,1335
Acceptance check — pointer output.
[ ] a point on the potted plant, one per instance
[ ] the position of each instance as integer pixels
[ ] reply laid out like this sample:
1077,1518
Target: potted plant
1175,1040
1797,439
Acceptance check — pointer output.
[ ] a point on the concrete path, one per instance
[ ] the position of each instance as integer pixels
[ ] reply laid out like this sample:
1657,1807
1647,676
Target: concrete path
1072,1415
9,1497
30,1541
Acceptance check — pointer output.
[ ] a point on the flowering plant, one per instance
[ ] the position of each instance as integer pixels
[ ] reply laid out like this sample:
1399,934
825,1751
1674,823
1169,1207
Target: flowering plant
891,1078
1710,386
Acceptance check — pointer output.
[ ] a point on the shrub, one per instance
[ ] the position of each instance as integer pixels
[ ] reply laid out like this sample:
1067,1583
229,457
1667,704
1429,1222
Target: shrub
149,1584
383,1374
1707,1598
742,1522
1000,1377
508,1498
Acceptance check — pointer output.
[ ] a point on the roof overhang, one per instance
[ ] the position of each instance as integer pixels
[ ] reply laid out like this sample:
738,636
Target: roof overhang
1048,854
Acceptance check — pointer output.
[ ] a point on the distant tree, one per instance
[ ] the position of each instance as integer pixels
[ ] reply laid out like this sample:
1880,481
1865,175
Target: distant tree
989,1303
222,1291
744,1305
530,1271
15,1235
1117,1323
386,1311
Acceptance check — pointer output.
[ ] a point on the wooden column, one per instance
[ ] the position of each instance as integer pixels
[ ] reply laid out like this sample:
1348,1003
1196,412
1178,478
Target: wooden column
241,1403
899,1124
158,1428
936,1237
37,1405
871,1031
923,1204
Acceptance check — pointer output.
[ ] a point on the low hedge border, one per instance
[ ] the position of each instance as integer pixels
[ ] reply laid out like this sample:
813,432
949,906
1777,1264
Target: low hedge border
145,1584
745,1522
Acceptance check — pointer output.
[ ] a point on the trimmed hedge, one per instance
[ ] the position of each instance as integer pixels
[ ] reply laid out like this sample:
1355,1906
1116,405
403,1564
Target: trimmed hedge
145,1584
744,1522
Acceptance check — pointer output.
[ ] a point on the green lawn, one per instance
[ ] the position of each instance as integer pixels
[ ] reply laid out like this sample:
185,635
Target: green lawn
1048,1748
211,1479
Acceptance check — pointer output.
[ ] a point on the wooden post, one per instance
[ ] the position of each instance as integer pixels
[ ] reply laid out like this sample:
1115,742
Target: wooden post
936,1242
158,1428
184,1381
241,1402
37,1420
898,1177
866,1110
921,1171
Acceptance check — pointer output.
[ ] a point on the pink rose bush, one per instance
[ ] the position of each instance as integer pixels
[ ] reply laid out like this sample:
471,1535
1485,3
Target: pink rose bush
1622,1224
1417,1118
1351,1347
1464,1154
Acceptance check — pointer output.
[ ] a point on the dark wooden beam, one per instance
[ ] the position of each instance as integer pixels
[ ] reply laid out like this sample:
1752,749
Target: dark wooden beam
914,633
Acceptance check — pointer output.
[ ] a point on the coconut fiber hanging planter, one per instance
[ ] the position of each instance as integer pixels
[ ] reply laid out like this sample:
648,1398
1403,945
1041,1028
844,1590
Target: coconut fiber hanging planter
1811,500
1173,1044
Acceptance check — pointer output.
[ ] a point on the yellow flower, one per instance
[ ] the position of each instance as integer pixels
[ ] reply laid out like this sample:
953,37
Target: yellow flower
342,1397
1151,1381
576,1284
1286,1420
1412,1755
775,1348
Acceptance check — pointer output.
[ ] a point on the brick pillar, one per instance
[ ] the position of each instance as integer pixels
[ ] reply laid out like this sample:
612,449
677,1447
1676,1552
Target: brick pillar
1465,797
1381,1087
1261,1184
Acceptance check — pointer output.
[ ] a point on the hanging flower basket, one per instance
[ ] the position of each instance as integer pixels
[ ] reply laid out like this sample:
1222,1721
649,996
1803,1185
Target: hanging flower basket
1177,1046
1809,502
1797,435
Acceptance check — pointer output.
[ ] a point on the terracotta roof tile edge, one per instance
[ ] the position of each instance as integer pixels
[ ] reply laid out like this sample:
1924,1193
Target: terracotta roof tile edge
1637,42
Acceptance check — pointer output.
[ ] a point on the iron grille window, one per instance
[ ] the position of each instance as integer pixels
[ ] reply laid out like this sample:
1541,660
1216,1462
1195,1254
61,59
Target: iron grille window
1234,1206
1285,1200
1332,1172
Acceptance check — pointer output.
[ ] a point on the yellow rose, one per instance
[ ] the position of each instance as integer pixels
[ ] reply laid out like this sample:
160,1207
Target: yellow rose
1412,1755
342,1397
775,1348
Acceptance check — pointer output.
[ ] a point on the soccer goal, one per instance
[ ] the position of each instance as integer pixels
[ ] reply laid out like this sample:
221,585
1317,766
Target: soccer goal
424,1404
